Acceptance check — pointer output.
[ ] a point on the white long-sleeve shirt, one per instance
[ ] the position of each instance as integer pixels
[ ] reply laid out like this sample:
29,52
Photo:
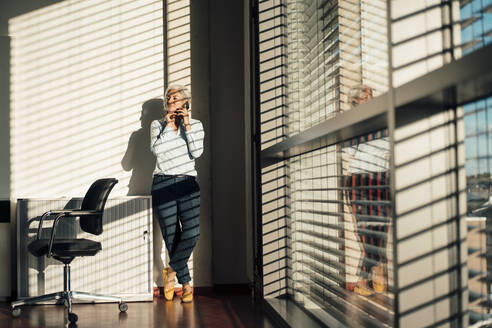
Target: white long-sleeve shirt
176,152
369,156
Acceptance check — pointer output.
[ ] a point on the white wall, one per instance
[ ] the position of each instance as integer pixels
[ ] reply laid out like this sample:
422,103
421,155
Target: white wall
80,72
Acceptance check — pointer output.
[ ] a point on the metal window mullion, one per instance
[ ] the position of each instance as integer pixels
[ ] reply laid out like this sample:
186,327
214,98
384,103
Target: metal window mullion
390,117
457,169
256,151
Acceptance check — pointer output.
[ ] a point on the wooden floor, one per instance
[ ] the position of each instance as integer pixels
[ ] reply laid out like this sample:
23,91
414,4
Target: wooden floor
219,309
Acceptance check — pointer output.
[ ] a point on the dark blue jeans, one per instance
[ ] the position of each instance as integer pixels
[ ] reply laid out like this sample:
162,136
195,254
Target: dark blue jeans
176,203
369,198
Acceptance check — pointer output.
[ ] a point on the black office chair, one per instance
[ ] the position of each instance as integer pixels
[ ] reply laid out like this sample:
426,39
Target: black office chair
65,250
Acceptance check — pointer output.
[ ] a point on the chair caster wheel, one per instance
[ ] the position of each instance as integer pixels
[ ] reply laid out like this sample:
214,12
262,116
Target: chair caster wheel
123,307
72,317
16,312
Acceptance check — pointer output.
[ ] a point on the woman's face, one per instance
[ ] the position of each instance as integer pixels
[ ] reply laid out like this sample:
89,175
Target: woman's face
174,100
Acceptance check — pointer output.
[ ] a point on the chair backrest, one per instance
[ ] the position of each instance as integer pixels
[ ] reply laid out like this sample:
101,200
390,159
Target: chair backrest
95,199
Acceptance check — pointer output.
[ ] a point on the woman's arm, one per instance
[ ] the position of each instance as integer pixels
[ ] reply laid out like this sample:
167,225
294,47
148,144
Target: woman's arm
157,131
195,136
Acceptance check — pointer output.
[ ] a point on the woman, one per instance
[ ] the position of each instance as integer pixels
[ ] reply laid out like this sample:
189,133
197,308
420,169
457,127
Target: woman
366,191
177,141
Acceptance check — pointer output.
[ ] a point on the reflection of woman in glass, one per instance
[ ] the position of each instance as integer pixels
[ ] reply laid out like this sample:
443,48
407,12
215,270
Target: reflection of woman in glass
177,141
366,188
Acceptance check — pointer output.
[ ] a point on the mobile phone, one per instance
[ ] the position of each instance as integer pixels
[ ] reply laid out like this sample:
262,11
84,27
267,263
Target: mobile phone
187,106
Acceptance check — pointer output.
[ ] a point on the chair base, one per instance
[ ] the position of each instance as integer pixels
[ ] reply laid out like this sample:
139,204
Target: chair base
67,296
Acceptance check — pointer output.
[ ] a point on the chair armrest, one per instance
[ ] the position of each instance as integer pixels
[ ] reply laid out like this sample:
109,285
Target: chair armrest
65,214
53,232
40,225
45,215
59,215
76,212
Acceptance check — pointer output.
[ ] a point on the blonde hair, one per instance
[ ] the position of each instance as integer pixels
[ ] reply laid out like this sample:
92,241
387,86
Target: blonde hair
184,91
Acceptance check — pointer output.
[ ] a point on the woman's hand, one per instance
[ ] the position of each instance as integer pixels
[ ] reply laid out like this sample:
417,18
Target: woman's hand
169,117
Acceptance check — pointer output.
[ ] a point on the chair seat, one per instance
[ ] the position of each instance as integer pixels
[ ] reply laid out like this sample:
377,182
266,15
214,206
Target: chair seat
65,247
